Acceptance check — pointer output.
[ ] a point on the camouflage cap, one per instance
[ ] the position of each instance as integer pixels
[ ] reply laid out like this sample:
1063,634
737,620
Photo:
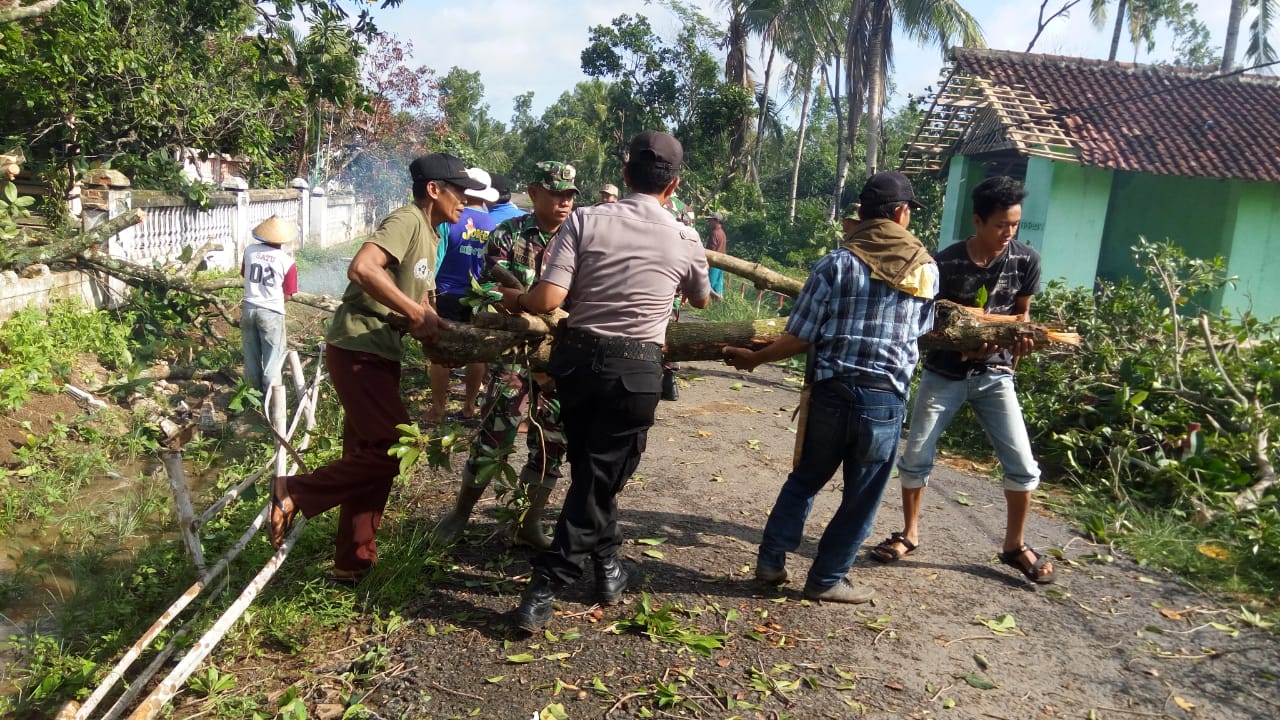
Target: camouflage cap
555,176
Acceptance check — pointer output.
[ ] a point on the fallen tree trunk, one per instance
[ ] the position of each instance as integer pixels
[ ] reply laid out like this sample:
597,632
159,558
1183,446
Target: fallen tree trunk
761,276
956,327
65,250
527,338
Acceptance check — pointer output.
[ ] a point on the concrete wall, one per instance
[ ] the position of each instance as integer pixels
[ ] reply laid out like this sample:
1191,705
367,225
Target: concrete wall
1064,216
1253,248
1191,212
957,205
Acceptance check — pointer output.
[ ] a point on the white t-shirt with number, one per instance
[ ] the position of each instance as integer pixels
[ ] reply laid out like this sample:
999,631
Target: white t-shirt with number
270,275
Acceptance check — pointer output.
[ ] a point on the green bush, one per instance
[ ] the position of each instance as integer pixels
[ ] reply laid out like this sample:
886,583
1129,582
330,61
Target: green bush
1157,418
37,347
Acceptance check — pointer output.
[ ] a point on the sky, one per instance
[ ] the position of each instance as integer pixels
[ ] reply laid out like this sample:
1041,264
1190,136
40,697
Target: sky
522,45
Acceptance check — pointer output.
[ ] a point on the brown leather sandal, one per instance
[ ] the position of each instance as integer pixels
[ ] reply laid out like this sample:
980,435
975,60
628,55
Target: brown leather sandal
1013,558
885,552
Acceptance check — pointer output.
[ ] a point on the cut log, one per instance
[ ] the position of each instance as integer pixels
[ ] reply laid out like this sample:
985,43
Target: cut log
761,276
959,328
522,323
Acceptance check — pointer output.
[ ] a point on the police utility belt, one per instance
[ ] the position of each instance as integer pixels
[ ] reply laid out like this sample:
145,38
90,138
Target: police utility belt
610,347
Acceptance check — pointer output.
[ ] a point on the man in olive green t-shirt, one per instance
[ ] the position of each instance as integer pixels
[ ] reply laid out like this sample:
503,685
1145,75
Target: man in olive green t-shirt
391,276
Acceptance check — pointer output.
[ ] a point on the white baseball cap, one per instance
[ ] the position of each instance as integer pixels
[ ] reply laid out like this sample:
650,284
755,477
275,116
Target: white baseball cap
489,194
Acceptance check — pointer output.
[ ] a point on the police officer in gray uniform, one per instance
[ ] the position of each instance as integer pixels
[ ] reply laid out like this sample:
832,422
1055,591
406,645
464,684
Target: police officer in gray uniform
618,265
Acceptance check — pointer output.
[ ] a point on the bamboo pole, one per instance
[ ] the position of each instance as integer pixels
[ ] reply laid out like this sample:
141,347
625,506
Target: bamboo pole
172,460
276,415
308,401
167,617
151,706
139,683
306,408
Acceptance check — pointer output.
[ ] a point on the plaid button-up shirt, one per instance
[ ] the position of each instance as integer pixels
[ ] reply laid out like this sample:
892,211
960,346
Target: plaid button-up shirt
857,325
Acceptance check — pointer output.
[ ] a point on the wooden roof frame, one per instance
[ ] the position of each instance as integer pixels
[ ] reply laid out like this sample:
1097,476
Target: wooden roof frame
970,114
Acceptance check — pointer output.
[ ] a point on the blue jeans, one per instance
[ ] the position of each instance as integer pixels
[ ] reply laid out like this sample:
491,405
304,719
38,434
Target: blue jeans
994,402
263,340
859,427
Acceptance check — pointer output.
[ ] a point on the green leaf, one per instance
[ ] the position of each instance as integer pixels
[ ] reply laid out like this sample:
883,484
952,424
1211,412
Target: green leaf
980,299
1003,625
979,681
495,679
650,541
521,658
657,554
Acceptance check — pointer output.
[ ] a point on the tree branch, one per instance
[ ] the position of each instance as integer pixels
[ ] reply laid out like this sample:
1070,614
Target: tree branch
22,12
1042,23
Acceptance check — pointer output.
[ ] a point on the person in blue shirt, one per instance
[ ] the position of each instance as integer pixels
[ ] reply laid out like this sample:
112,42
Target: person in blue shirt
858,317
503,209
461,258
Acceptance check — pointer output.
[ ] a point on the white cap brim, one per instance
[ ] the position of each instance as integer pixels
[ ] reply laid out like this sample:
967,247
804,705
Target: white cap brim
489,195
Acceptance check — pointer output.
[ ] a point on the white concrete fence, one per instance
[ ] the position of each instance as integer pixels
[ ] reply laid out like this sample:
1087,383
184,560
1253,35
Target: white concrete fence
172,226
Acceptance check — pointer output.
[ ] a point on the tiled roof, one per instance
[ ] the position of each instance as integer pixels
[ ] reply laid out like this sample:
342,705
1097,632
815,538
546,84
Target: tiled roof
1148,118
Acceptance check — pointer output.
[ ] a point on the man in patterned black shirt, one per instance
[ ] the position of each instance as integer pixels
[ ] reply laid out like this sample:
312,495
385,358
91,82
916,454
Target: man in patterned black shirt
858,316
993,271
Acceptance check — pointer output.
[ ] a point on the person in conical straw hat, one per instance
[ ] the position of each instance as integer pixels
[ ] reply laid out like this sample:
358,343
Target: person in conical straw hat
270,279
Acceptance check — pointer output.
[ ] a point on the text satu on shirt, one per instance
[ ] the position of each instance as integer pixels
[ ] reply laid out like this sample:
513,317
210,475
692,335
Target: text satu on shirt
269,276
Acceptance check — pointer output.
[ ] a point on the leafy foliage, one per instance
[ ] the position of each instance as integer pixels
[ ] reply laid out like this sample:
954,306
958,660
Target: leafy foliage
1147,418
36,348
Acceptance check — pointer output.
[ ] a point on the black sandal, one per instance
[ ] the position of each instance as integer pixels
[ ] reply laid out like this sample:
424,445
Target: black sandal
1013,558
886,553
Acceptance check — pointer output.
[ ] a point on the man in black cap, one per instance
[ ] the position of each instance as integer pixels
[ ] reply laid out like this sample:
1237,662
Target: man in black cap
607,364
391,276
858,317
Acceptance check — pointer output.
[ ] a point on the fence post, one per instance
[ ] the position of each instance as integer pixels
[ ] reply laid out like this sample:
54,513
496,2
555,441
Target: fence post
304,208
106,194
319,216
240,225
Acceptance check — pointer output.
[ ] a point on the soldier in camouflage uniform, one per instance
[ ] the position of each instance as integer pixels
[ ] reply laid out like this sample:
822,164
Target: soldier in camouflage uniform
518,245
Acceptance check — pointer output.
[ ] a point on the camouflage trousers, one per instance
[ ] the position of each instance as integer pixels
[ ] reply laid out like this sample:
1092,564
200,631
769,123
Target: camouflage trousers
513,395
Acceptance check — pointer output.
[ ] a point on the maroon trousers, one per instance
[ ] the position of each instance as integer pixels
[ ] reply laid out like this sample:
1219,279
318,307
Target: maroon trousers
368,387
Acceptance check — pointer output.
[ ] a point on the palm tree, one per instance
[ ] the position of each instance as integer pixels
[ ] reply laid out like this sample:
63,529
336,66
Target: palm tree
1260,49
870,43
738,71
1098,14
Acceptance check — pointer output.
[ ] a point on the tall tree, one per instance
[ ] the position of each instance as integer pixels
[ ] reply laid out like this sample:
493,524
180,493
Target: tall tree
1259,50
737,71
937,22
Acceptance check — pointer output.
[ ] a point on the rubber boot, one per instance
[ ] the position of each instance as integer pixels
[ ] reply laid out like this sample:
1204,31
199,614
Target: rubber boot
451,525
612,577
535,604
529,531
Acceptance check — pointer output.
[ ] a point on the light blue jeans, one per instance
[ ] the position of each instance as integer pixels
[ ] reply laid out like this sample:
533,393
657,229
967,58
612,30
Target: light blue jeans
263,340
994,402
860,428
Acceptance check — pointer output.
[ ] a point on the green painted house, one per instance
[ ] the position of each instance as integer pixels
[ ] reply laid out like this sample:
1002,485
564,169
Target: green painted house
1111,151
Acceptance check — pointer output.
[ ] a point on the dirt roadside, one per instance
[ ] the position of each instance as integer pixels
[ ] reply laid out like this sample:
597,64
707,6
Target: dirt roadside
1110,640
